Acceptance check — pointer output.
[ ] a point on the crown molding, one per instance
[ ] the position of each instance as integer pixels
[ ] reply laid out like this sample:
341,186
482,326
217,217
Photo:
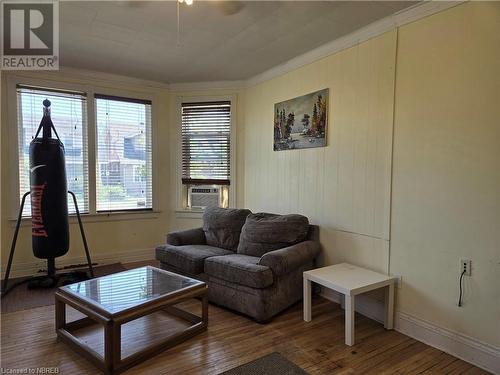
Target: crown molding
208,85
112,78
403,17
85,75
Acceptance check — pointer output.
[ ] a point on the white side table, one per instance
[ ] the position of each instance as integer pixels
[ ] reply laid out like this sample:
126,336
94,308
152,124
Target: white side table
350,280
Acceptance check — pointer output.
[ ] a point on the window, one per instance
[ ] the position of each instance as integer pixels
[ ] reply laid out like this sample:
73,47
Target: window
68,112
121,147
206,153
123,155
206,148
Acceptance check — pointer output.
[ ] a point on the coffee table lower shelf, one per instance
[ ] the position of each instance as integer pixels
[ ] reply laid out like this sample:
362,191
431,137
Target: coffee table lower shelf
111,362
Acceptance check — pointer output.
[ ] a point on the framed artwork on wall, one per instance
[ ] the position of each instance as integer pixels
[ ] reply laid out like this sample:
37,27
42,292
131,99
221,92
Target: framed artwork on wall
301,122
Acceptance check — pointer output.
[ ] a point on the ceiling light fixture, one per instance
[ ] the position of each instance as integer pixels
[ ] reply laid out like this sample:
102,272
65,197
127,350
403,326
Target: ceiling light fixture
179,2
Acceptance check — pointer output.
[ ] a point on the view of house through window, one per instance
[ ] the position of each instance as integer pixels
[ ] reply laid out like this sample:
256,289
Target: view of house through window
123,154
122,151
68,111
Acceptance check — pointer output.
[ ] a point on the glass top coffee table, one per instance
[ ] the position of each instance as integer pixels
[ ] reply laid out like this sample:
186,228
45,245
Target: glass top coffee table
120,298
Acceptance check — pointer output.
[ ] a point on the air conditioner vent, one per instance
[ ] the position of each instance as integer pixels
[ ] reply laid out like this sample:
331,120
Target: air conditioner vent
202,197
203,191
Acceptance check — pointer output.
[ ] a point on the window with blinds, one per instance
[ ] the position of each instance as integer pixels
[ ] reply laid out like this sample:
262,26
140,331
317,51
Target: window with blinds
68,112
123,154
206,138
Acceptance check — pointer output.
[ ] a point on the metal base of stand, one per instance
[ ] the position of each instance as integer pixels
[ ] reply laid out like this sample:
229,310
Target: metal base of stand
43,282
51,279
46,281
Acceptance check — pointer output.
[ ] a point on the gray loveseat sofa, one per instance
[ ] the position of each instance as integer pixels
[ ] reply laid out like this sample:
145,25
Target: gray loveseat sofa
252,263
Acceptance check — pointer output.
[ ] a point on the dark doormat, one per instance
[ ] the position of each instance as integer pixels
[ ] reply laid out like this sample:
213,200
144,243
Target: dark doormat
272,364
22,298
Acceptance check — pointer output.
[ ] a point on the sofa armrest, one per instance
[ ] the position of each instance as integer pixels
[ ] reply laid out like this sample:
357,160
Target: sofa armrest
285,260
194,236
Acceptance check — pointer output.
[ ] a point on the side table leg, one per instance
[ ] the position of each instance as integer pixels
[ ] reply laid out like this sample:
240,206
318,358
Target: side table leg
349,320
389,306
307,300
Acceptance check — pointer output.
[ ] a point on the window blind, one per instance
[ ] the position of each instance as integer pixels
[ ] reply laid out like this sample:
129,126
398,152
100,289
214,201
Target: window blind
68,112
206,136
124,154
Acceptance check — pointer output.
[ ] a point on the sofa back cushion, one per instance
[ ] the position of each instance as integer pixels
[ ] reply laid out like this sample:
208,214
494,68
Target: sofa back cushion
222,226
265,232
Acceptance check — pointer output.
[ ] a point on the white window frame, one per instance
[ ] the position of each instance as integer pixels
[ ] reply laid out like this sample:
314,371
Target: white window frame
90,147
182,210
121,94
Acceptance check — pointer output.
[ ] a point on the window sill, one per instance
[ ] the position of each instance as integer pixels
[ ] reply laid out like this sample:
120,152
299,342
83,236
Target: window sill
101,217
186,213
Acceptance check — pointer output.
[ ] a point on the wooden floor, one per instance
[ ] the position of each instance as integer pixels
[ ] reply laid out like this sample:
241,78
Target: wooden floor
28,340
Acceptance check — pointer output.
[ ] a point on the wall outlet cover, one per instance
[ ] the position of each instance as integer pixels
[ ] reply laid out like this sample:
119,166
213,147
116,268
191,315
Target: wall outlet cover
466,265
399,281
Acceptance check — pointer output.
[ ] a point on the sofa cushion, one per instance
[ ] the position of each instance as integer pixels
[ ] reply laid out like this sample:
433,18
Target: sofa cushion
239,269
222,226
265,232
188,258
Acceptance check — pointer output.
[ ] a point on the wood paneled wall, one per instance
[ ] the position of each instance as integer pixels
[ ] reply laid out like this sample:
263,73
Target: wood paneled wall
345,186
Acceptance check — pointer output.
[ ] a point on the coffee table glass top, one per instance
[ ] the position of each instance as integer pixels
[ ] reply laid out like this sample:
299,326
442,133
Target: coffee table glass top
120,291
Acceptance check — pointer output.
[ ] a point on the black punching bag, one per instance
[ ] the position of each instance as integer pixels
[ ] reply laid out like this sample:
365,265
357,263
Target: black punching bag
49,204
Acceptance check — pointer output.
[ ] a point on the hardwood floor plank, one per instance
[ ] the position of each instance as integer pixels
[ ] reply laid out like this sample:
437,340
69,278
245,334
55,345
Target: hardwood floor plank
440,363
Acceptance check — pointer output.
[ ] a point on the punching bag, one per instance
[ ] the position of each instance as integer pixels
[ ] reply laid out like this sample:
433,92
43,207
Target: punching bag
49,204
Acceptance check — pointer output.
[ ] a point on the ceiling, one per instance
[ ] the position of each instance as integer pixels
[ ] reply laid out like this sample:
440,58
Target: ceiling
139,39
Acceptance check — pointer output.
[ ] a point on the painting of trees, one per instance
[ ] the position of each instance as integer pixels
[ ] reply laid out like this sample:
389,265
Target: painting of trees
309,131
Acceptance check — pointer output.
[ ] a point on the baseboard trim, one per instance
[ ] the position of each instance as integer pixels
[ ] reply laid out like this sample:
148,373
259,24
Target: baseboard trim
31,268
471,350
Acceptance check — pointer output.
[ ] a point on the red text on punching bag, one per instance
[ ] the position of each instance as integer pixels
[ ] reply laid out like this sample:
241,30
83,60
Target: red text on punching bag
38,228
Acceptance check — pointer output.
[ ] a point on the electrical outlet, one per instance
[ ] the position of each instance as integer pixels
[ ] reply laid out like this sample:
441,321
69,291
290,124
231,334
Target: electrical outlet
399,281
465,265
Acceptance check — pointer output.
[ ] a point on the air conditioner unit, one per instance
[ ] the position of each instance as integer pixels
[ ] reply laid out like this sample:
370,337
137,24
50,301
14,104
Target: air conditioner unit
204,196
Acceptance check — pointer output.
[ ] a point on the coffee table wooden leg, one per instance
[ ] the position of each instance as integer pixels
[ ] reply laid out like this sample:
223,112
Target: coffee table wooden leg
204,306
112,346
349,320
60,314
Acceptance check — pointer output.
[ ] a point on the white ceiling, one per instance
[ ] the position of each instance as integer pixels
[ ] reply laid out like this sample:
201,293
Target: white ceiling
139,39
